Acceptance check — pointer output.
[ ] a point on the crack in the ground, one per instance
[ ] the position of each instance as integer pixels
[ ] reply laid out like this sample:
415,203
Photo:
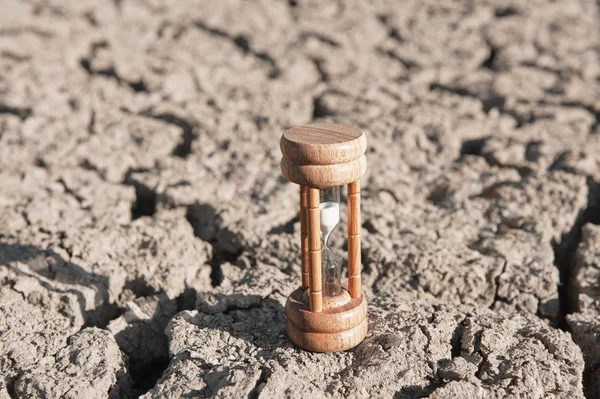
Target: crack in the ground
145,197
473,147
476,147
285,228
565,251
72,193
489,62
456,340
320,37
87,165
206,222
111,72
146,375
318,63
408,64
497,102
416,391
477,349
506,12
243,44
497,298
188,131
216,273
374,264
186,300
22,113
393,32
427,335
233,308
145,202
320,108
588,108
10,386
559,73
91,316
15,31
91,128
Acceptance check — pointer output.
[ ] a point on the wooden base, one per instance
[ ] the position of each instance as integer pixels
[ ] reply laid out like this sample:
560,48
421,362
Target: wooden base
341,325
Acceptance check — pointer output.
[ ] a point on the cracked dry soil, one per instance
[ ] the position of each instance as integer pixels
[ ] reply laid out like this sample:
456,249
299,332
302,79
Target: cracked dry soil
148,240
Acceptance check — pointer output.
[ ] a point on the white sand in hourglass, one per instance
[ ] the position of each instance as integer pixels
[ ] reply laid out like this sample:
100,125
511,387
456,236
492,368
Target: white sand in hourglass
330,217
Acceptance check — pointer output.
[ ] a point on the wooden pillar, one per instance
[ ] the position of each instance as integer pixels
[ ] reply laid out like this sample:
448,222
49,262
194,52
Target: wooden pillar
314,244
304,237
354,261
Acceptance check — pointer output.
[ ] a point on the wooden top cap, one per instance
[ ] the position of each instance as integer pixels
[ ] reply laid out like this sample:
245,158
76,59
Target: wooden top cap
323,155
323,144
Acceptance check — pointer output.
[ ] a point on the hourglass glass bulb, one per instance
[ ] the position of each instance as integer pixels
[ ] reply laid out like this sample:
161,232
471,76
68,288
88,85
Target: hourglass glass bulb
330,217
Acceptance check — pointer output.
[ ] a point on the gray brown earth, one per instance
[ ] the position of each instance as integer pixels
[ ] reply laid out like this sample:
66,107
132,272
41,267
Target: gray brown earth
148,240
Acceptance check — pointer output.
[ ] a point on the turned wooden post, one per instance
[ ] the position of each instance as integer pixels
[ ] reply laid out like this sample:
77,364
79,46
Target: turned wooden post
304,237
354,260
314,244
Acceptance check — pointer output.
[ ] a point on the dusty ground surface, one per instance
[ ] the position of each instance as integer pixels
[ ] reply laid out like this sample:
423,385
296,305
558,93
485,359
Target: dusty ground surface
148,240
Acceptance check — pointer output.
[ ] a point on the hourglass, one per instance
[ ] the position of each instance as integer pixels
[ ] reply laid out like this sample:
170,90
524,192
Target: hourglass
323,315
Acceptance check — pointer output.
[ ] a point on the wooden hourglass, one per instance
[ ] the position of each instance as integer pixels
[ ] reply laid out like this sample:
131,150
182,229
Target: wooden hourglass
323,316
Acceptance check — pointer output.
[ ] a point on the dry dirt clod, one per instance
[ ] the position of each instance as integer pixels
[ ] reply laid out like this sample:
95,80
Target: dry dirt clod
140,335
90,366
238,347
584,323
